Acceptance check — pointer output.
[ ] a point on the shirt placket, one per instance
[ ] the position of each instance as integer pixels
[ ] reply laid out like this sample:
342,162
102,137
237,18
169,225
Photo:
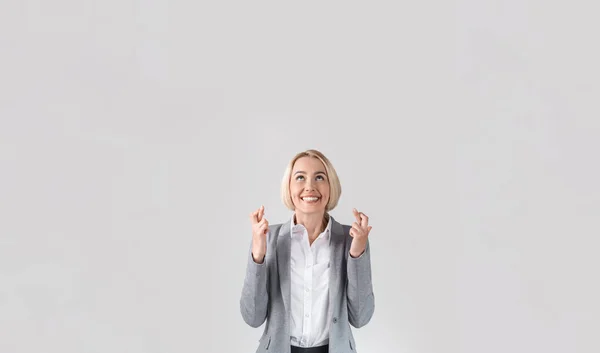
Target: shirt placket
308,277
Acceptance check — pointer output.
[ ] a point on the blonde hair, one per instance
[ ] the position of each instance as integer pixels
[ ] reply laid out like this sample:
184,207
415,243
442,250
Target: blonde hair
335,188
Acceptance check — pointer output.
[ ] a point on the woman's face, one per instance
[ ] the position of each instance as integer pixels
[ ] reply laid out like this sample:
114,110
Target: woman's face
309,185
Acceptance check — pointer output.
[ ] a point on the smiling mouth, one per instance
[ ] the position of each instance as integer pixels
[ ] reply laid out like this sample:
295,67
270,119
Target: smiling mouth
310,199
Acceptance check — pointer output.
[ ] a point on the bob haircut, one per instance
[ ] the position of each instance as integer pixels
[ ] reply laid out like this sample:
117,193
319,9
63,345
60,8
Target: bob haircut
335,188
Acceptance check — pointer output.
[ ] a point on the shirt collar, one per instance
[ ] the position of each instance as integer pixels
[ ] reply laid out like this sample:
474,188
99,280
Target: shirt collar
296,227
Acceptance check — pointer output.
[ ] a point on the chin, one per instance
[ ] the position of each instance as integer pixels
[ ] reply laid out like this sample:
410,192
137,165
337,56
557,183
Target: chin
309,210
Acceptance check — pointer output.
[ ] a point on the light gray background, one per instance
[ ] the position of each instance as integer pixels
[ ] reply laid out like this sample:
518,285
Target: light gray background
136,137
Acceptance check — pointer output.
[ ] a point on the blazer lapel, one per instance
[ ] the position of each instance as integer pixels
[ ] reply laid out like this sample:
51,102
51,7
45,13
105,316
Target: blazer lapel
337,255
284,250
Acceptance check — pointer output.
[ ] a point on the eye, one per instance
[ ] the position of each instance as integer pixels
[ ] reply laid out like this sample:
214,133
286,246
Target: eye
320,177
299,176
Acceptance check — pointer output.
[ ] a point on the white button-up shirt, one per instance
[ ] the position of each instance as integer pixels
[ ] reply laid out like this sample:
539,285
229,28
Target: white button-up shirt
309,287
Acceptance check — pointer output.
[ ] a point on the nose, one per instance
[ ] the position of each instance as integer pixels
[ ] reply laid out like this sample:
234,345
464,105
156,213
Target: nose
308,186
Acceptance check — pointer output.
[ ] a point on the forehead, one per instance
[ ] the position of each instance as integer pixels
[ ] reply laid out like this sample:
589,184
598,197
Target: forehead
308,164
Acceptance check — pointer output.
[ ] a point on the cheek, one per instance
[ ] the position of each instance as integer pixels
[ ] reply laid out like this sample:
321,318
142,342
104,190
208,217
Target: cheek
295,195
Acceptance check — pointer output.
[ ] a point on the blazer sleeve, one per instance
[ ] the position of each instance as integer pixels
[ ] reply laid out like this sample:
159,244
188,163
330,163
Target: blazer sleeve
359,290
254,298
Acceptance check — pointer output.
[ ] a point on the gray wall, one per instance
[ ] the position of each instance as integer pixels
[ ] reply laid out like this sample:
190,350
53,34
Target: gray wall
136,137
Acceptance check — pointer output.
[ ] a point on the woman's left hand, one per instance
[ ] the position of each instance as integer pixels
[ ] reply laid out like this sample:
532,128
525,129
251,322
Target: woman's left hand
359,233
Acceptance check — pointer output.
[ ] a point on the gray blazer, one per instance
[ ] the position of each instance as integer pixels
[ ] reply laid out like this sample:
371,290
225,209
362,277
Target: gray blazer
266,291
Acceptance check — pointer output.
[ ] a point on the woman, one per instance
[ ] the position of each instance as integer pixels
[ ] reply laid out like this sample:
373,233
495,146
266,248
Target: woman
310,277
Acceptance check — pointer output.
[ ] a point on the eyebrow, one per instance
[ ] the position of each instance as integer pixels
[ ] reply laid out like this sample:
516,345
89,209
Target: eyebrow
303,172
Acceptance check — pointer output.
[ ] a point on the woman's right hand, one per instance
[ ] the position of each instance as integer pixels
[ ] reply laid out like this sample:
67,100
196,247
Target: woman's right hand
260,227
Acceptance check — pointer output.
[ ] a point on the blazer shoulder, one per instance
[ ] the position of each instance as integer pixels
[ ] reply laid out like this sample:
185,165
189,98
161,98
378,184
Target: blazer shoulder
275,230
340,227
275,227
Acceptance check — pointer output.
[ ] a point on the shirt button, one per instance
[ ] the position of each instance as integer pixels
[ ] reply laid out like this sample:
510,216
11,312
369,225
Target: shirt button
307,290
334,320
307,315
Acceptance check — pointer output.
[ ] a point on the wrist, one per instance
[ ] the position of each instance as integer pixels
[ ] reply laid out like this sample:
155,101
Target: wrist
357,248
258,257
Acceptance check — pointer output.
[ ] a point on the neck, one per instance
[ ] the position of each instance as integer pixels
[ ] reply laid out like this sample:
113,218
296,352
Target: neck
314,223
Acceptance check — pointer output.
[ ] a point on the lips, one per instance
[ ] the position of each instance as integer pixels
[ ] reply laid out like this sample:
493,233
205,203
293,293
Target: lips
310,199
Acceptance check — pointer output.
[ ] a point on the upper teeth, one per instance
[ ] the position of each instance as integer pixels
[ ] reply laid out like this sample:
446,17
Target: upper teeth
311,198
